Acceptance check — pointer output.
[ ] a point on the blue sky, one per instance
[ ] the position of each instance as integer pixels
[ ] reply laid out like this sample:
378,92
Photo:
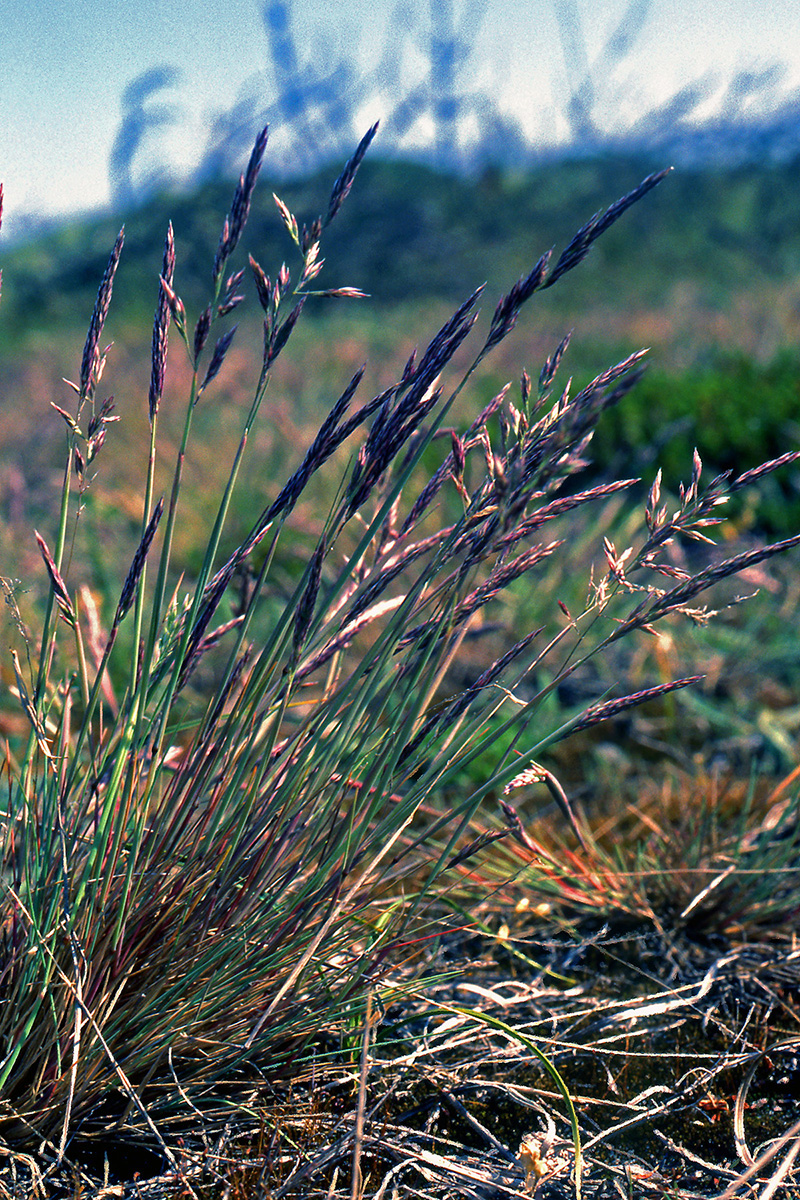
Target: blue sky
65,64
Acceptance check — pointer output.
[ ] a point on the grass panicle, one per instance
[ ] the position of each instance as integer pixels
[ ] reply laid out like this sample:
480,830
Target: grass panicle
240,208
161,328
91,362
588,234
344,183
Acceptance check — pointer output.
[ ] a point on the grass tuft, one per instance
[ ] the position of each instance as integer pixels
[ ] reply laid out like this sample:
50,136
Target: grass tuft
228,824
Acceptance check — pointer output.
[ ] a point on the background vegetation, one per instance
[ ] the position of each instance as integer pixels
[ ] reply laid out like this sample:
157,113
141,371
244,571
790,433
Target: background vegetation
706,275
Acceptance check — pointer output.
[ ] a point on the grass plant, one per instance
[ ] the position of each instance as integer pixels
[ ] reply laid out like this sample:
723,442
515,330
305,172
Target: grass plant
229,822
695,858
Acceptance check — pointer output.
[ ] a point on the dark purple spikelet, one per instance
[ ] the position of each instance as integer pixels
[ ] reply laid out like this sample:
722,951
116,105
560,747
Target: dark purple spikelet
362,414
310,237
559,506
201,333
233,282
231,299
330,436
91,351
430,490
59,587
582,242
408,369
222,249
507,311
575,419
161,327
452,333
610,708
96,431
241,203
487,412
608,376
175,303
201,647
765,468
308,601
389,433
103,417
326,438
282,333
230,303
212,596
96,443
217,359
137,566
240,206
263,285
434,484
393,427
459,455
551,364
343,184
620,206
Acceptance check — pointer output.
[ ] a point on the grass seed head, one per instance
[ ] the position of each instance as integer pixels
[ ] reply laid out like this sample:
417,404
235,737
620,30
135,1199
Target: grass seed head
158,356
137,566
343,184
57,583
282,333
201,331
90,363
240,206
217,359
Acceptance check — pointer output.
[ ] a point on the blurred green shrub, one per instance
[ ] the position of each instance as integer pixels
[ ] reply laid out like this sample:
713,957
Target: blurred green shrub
736,412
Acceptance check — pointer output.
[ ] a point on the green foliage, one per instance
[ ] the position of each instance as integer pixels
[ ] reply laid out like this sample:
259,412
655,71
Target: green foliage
737,413
412,233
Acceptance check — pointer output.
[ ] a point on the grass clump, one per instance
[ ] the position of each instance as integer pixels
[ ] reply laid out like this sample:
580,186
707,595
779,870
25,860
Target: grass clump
230,821
690,857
